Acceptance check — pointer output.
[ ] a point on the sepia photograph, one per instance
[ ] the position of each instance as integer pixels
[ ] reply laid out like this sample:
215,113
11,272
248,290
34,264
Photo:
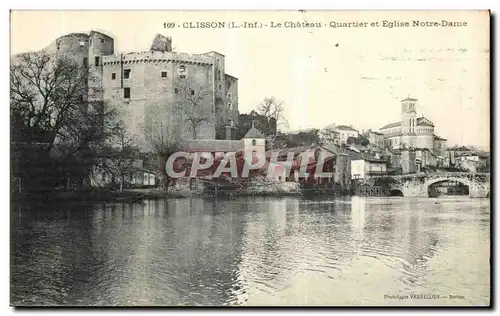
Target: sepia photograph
250,158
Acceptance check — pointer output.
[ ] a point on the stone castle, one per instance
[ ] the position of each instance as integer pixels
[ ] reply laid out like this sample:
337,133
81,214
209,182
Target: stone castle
144,86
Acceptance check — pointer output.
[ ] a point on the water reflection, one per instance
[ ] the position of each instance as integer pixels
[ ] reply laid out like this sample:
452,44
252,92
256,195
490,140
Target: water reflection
256,251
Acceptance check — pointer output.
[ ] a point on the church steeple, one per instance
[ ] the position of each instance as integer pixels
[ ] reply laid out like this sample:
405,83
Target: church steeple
408,105
408,115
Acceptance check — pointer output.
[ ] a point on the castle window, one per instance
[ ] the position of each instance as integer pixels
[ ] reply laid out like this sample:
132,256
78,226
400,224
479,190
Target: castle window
126,73
97,61
229,95
102,41
182,72
176,91
230,122
85,62
191,91
82,43
254,142
126,93
229,106
218,74
113,76
164,74
220,87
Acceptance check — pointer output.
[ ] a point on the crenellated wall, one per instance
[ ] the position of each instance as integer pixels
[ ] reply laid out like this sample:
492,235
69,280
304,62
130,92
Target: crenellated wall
156,89
153,85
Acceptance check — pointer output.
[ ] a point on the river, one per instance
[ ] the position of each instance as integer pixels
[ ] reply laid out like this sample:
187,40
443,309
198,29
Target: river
254,251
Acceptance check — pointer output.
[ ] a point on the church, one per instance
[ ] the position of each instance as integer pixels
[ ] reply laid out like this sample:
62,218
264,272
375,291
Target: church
413,131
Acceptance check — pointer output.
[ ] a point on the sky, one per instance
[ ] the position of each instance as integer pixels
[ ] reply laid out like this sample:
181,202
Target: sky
346,75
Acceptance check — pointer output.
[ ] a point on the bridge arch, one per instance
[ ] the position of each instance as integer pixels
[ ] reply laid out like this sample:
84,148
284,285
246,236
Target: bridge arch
396,192
464,181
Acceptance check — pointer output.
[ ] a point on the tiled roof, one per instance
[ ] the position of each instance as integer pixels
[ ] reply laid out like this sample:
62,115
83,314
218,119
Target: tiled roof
253,133
395,124
345,128
439,138
422,121
461,148
333,148
376,133
212,145
284,152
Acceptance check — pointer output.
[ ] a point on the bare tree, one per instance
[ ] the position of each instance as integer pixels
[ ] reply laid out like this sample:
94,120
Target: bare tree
328,135
274,111
49,110
122,154
193,105
44,93
164,136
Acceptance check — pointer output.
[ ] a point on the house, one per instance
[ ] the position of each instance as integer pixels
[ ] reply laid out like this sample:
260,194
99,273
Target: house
345,132
106,173
366,167
375,138
300,164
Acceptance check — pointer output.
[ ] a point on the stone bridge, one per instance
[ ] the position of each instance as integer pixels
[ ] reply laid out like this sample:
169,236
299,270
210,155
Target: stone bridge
418,184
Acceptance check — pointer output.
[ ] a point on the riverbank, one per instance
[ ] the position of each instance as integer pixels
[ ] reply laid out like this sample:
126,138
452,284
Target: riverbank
128,196
138,195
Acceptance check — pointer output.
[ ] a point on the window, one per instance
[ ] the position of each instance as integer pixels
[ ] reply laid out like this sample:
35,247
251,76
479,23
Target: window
254,142
126,93
164,74
82,43
85,62
191,91
97,61
126,73
220,87
229,122
182,71
176,91
229,95
113,76
102,41
218,74
229,106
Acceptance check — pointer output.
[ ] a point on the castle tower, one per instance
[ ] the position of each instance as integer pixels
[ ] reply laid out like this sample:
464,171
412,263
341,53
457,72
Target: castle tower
99,46
408,116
